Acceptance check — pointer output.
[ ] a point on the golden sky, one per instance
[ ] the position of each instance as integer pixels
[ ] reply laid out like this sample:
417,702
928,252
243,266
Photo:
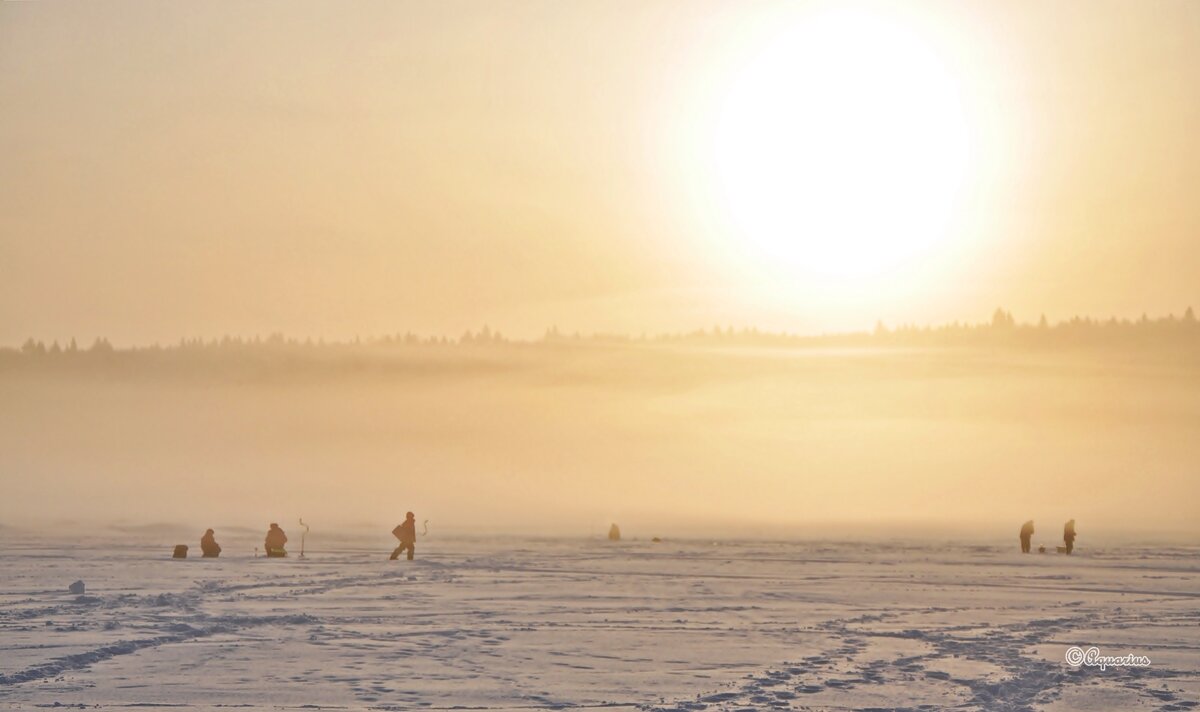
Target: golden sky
335,169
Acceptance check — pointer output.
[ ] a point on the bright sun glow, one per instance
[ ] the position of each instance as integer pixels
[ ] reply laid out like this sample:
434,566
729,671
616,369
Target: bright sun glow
840,149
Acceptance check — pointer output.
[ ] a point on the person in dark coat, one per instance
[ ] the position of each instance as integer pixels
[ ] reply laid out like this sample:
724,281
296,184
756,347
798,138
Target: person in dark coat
407,534
275,541
209,546
1069,536
1026,535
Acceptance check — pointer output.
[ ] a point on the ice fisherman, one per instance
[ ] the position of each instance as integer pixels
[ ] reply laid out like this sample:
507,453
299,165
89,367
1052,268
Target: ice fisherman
208,545
407,534
275,541
1026,535
1069,536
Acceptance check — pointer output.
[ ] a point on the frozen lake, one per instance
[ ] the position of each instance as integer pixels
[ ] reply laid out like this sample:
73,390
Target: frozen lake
536,624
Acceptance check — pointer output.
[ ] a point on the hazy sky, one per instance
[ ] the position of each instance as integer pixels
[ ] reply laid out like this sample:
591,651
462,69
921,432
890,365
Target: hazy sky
335,169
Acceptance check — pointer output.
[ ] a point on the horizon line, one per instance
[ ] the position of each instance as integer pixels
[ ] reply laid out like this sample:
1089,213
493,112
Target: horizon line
1001,319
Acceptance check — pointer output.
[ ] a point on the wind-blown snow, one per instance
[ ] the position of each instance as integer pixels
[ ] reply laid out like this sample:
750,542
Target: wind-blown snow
533,624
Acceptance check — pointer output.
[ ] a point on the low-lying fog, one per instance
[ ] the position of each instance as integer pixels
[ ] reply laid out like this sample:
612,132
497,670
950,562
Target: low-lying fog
667,440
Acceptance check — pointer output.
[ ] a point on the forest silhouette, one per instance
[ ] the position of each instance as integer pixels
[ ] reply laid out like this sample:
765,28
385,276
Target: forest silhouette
1002,331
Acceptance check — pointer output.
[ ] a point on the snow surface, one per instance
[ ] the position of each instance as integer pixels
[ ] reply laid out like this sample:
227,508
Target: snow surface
555,624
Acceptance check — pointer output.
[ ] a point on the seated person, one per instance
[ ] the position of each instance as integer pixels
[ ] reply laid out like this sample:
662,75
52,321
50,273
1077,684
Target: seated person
275,541
209,546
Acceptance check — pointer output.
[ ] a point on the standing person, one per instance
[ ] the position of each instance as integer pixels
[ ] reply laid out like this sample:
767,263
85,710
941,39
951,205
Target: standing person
1026,535
275,541
209,546
1069,536
407,534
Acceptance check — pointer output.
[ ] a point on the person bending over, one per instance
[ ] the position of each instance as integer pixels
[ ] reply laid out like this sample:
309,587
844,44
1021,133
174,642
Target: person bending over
1026,535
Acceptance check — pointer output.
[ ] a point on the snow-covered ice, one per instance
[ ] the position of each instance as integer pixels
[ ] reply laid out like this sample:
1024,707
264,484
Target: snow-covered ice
552,624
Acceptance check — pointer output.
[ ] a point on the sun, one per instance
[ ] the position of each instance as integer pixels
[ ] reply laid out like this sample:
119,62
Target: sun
839,149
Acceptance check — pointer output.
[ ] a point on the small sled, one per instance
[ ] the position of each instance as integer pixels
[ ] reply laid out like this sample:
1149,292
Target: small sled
180,552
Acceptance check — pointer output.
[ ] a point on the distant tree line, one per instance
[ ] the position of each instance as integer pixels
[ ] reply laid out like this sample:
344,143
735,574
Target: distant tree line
1002,331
